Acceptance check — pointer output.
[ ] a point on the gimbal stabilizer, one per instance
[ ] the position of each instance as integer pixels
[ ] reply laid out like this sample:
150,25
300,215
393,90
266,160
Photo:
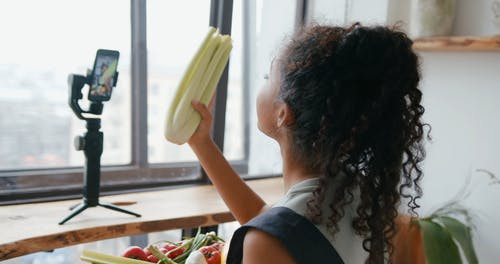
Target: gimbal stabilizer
92,145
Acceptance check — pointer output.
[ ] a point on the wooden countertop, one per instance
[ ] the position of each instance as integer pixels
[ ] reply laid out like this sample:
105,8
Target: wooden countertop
31,228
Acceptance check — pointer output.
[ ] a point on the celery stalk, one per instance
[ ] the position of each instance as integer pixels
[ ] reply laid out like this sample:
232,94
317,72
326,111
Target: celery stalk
186,79
196,84
218,69
199,82
162,257
194,118
100,258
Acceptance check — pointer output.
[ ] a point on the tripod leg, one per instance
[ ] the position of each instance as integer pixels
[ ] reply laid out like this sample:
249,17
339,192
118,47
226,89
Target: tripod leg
74,206
76,210
116,208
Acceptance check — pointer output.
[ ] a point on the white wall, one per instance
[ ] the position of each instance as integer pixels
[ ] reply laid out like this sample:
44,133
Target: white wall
462,101
461,92
461,95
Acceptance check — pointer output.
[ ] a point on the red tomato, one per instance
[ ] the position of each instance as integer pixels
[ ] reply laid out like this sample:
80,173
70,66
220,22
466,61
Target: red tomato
212,255
134,252
173,254
152,258
218,245
176,253
169,247
146,250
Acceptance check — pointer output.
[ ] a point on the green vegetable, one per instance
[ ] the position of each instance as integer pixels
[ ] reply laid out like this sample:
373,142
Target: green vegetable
163,259
196,243
198,83
100,258
190,244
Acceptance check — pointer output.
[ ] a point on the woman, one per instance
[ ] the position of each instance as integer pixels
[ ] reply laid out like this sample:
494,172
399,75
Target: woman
344,106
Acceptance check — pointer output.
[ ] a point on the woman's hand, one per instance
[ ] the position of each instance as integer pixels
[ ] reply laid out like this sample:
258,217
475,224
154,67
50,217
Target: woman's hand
202,133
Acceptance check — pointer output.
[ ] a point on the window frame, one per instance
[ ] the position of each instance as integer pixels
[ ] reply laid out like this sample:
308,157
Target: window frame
36,185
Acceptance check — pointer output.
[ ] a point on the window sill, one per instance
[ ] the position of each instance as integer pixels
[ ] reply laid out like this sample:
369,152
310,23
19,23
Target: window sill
31,228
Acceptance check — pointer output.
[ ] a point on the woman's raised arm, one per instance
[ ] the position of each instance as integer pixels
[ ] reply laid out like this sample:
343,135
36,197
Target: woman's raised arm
243,202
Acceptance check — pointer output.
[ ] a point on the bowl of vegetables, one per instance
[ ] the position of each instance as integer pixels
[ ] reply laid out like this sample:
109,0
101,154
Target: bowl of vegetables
201,249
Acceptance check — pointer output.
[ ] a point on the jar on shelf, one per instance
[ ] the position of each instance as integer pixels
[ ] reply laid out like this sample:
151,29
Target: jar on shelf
432,18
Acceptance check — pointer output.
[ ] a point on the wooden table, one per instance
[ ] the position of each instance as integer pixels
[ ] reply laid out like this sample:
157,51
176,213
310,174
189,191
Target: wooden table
31,228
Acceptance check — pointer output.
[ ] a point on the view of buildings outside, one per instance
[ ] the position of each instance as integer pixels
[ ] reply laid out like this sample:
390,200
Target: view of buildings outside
25,138
38,51
169,51
38,126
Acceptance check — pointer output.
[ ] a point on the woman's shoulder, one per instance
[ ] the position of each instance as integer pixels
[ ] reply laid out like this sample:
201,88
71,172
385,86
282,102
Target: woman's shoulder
261,247
290,234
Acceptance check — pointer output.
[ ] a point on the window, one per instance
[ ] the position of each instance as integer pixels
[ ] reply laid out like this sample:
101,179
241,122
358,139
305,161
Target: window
174,34
263,33
38,51
156,39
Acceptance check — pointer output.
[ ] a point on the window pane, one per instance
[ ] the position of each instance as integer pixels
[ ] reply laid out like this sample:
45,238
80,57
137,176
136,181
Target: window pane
42,42
175,30
266,34
234,135
329,11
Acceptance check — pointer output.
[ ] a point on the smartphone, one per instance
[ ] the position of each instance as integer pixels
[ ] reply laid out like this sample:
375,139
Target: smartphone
103,75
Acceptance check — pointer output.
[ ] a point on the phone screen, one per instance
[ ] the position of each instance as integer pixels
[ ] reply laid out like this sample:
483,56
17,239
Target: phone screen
103,73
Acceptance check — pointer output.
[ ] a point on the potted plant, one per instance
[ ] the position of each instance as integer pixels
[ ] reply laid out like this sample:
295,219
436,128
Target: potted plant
441,236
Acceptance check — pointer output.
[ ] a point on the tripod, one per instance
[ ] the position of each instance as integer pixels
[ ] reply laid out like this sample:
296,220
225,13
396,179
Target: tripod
92,145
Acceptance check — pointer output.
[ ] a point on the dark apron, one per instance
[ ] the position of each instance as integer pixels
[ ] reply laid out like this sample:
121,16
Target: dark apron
300,237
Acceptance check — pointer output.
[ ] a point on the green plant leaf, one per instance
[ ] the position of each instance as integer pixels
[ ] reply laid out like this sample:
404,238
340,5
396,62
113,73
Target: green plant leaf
439,246
462,234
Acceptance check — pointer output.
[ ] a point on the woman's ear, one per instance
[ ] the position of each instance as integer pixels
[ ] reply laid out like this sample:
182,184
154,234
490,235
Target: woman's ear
285,116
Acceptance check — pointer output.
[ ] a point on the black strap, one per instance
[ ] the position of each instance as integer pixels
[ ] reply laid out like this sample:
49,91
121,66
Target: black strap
302,239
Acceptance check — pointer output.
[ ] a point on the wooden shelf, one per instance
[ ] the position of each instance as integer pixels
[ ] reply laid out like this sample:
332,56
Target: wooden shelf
30,228
458,43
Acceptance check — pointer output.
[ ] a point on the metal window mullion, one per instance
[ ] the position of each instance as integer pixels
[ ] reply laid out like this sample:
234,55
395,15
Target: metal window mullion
247,40
139,89
139,94
301,14
221,13
221,18
214,13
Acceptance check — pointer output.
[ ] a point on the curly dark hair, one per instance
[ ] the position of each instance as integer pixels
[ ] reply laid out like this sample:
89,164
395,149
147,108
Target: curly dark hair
354,95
